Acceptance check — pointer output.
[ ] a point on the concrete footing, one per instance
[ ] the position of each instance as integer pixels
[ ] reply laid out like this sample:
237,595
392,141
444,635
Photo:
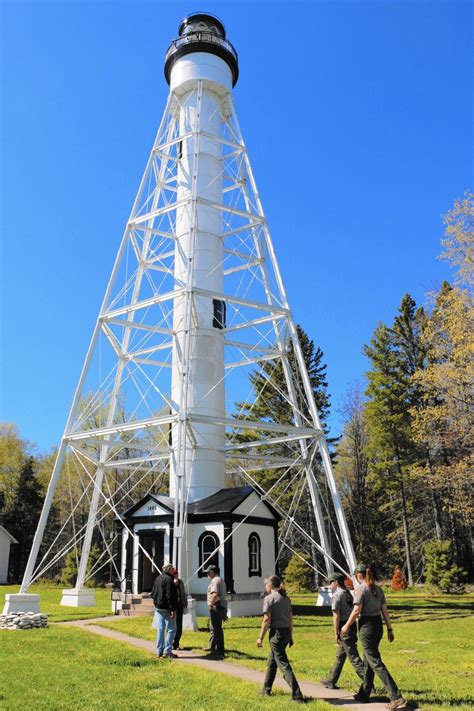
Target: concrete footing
21,602
78,598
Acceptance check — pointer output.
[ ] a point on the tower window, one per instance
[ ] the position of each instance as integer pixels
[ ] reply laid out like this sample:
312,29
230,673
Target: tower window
219,313
255,558
207,543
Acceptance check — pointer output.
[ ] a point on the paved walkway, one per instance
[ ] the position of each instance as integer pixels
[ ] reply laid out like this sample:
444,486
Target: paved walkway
336,697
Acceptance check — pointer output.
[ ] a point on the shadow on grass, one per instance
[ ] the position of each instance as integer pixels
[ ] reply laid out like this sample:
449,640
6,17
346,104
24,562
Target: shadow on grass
422,697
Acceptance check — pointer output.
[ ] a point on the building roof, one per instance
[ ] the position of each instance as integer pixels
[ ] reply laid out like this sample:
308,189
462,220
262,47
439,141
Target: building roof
9,535
219,504
165,501
224,501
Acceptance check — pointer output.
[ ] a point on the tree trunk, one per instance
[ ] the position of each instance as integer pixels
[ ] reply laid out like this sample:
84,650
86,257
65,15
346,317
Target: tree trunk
406,534
437,515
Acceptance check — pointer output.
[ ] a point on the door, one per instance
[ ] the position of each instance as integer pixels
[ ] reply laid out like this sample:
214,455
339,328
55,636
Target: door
154,544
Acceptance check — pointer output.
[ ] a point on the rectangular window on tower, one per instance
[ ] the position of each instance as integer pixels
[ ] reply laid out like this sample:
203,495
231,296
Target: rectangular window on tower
219,313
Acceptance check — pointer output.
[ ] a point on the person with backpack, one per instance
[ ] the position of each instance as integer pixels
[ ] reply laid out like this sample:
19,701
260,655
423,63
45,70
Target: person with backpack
342,603
370,606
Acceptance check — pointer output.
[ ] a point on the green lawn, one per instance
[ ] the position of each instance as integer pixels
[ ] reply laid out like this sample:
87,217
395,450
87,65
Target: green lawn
50,598
431,659
62,668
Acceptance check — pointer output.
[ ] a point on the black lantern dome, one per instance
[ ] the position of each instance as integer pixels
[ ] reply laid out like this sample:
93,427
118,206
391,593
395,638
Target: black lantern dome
202,32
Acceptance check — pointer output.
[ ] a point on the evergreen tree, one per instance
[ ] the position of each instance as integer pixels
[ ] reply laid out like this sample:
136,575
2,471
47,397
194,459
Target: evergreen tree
441,569
298,573
394,355
21,520
272,403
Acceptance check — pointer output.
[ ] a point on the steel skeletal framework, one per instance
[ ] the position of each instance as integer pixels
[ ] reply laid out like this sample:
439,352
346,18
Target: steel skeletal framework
195,313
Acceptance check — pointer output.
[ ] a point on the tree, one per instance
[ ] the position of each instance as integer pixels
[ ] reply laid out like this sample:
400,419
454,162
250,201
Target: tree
352,467
271,403
22,518
444,423
395,354
13,451
458,242
441,569
70,568
298,573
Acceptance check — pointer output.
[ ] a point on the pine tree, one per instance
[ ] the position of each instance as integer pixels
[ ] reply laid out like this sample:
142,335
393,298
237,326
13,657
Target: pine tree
271,403
297,573
21,520
394,355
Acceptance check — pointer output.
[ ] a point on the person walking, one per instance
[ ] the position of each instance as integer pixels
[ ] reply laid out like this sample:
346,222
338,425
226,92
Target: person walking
370,606
165,599
278,619
341,604
181,609
217,603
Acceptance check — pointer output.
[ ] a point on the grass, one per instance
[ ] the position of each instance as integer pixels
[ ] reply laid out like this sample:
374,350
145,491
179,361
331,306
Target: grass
50,599
431,659
61,668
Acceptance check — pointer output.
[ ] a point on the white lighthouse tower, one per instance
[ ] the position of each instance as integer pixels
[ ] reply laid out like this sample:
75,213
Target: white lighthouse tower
166,449
201,69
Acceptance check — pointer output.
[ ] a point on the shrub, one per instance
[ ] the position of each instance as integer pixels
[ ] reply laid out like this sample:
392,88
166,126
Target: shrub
398,579
298,574
441,570
69,571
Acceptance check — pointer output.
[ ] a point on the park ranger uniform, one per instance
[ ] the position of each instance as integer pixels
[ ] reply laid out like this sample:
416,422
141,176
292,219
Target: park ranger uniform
342,603
370,634
279,607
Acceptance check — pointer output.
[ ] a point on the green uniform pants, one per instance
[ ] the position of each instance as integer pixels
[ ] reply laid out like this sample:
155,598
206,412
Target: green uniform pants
370,634
347,649
279,639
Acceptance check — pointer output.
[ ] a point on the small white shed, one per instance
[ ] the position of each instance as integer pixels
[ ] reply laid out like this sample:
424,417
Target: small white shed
6,539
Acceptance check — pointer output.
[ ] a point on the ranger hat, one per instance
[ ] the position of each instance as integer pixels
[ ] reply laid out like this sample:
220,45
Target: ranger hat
337,578
361,568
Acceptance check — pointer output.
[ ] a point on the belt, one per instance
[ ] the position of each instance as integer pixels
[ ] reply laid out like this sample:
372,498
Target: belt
280,628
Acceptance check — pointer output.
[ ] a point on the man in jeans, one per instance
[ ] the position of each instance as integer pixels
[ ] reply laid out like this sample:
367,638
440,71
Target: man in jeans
217,603
165,599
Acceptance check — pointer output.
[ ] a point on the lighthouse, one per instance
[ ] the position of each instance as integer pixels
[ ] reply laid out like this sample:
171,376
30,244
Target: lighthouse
201,68
171,439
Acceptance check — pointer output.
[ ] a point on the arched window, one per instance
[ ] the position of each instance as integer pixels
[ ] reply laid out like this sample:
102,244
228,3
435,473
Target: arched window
255,558
207,543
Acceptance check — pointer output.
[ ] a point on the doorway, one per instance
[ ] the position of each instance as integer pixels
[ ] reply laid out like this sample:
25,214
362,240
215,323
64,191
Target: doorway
154,544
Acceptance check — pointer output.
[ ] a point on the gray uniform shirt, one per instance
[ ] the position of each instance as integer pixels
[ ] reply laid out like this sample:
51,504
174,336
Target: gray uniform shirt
217,585
371,604
279,607
339,603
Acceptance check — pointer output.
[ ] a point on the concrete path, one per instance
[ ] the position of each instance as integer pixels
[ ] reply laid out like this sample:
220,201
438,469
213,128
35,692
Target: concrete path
336,697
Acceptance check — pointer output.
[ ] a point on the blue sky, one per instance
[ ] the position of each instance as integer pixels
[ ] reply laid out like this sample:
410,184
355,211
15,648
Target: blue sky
357,117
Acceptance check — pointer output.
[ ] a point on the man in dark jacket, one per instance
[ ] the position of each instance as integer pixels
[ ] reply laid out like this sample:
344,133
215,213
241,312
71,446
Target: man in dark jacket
165,599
